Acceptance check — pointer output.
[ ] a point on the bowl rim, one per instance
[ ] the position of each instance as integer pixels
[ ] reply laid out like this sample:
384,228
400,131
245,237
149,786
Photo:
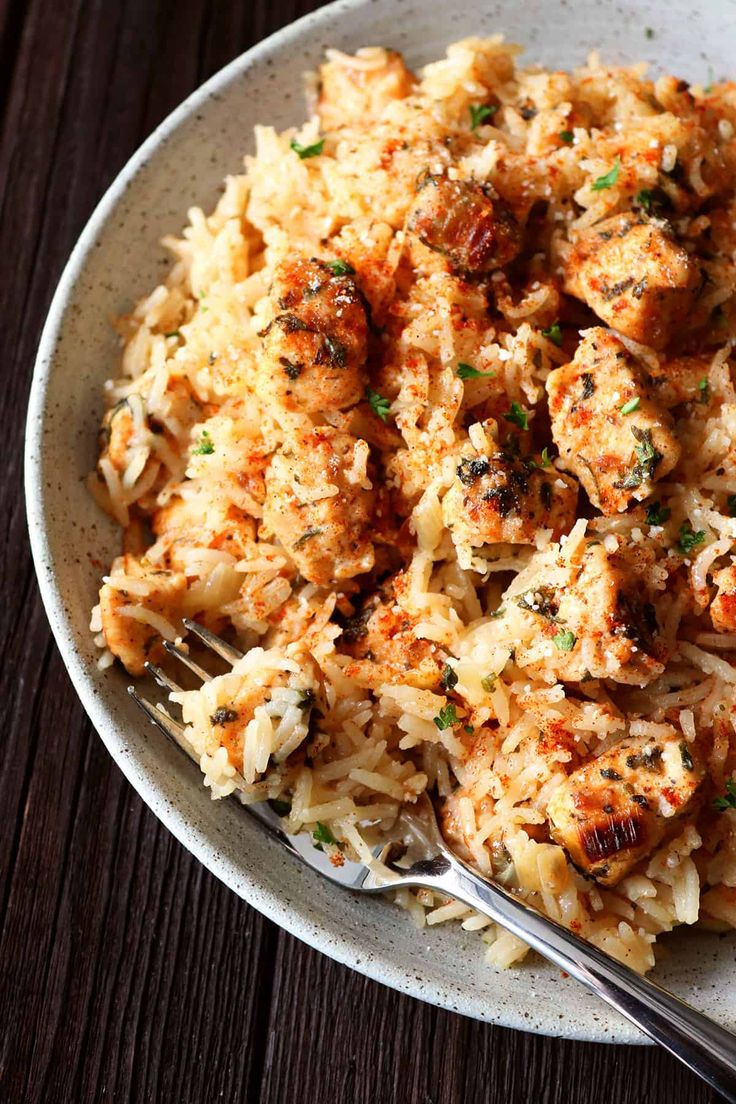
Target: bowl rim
341,945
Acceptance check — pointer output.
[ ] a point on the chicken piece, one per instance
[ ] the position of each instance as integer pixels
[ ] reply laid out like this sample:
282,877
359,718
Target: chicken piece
315,347
594,617
320,504
355,90
615,810
630,270
466,222
381,638
723,606
129,633
681,379
504,498
180,526
610,432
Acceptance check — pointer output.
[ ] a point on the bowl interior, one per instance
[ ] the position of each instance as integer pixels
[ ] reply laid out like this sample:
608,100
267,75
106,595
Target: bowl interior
119,258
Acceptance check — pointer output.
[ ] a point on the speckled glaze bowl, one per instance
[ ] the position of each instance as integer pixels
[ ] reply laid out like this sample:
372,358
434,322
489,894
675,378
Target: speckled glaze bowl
118,258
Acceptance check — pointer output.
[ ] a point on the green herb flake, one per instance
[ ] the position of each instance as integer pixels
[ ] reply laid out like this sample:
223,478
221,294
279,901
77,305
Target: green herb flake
479,113
518,416
307,536
467,371
446,718
469,729
223,715
567,137
632,405
303,152
657,514
704,389
731,505
554,334
644,199
565,640
322,835
205,445
498,613
647,459
340,268
649,32
689,538
608,179
728,799
448,681
687,759
173,333
488,682
546,459
378,404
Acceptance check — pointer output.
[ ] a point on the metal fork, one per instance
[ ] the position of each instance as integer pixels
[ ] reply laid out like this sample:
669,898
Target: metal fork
705,1047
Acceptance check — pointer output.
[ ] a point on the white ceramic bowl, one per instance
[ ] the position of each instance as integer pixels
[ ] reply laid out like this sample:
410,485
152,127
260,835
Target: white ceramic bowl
117,259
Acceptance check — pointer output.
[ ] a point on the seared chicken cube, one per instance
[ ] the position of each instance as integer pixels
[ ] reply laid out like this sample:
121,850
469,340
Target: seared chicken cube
615,438
315,347
466,222
723,606
614,811
630,270
504,498
681,379
355,90
592,618
132,620
381,638
320,502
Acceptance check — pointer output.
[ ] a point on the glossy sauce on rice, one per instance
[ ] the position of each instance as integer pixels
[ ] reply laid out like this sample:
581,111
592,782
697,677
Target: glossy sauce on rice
434,417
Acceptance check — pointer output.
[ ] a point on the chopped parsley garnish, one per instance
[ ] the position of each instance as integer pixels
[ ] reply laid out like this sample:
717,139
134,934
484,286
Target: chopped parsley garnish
306,698
541,600
479,113
546,459
565,640
649,32
307,536
322,834
378,404
608,179
518,416
467,371
307,151
205,445
340,268
643,199
632,405
704,389
689,538
223,716
448,681
647,458
728,799
567,137
281,808
687,759
173,333
469,729
446,718
554,334
488,682
497,613
657,514
731,505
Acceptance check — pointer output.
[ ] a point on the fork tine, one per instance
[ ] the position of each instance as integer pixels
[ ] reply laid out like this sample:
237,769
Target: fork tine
163,721
182,656
162,678
225,651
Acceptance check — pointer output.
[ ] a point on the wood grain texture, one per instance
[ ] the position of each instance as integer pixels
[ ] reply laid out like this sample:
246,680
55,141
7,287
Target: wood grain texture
128,973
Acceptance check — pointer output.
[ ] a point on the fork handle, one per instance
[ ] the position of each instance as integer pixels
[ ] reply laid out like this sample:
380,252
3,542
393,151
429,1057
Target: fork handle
705,1047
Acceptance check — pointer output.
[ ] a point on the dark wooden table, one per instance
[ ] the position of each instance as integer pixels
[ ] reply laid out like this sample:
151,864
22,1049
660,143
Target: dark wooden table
127,972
